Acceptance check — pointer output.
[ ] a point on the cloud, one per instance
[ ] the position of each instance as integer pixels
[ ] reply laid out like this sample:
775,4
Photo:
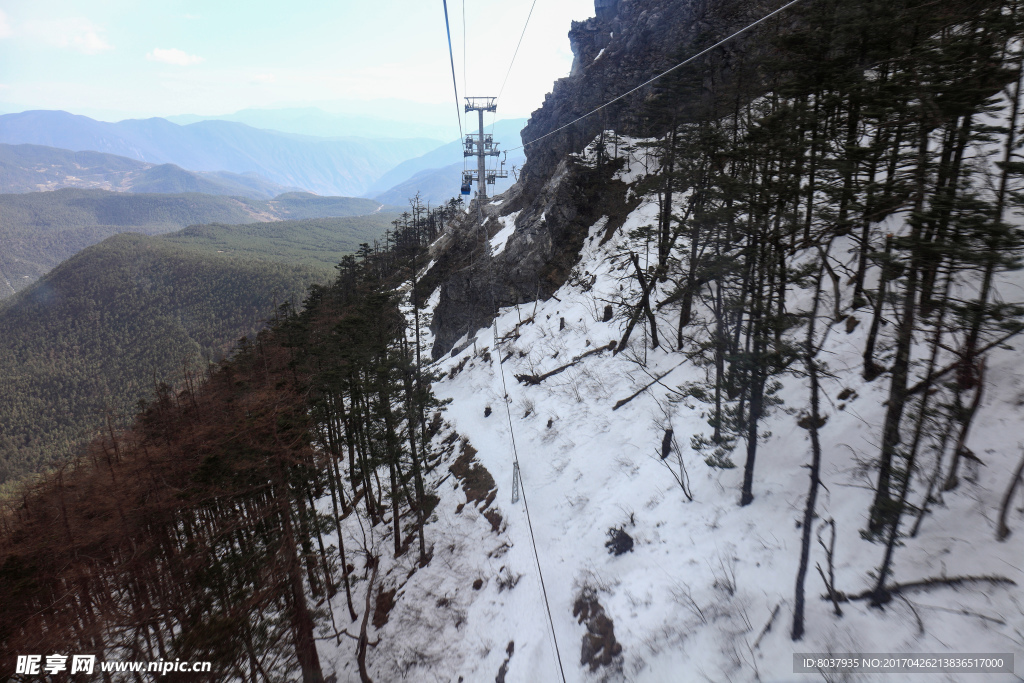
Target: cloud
264,78
173,56
5,26
89,43
72,33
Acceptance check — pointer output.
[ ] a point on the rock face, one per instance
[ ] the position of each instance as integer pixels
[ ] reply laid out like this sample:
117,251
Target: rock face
558,199
536,259
627,43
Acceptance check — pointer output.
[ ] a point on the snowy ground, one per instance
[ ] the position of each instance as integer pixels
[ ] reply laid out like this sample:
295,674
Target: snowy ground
694,599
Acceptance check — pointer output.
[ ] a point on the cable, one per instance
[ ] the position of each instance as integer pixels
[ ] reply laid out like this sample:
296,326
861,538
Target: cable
517,48
663,73
465,87
515,451
526,506
494,116
455,85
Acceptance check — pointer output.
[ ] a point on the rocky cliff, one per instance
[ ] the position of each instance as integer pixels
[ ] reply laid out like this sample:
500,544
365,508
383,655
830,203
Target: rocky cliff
556,199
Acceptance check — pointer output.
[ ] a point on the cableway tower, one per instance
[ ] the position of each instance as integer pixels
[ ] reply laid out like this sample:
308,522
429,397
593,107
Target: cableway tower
481,146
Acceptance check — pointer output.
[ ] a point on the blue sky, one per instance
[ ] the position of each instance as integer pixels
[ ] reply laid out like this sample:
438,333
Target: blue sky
135,58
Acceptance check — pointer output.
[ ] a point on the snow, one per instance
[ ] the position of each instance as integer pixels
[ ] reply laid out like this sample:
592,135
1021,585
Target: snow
501,237
694,597
599,54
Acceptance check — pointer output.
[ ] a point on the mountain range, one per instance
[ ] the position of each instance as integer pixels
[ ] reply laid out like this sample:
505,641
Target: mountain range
45,150
331,166
437,174
318,122
36,168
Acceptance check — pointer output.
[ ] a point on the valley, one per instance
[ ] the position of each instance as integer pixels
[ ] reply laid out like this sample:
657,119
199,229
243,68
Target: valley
90,339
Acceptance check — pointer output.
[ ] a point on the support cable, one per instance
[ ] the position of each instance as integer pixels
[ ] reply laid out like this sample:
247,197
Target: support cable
465,86
663,73
500,90
526,505
458,110
512,435
494,117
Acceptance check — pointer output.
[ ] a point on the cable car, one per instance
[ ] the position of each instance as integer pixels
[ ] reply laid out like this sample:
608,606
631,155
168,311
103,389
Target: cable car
467,185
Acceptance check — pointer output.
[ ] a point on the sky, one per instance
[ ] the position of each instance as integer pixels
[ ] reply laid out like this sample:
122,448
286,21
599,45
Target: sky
114,59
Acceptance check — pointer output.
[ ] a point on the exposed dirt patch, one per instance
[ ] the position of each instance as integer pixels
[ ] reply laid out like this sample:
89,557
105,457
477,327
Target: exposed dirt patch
458,368
599,645
477,482
506,580
430,502
495,518
435,425
385,603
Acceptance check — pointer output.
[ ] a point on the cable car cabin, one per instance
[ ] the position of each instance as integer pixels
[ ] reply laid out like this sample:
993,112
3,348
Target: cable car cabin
467,187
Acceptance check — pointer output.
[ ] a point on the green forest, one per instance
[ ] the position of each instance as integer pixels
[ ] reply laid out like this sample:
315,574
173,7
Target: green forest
319,242
39,230
98,333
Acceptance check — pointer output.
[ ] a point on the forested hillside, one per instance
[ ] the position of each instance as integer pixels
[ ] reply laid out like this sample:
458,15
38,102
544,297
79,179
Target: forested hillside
103,329
40,229
803,267
320,242
342,374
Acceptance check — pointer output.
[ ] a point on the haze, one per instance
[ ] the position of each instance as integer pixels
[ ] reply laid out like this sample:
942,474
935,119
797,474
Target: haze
119,59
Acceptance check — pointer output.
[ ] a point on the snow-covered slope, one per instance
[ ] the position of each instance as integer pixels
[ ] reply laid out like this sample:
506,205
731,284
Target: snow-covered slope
705,593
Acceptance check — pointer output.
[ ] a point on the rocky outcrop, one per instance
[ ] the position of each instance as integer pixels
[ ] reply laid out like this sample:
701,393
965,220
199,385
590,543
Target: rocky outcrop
627,43
536,260
558,199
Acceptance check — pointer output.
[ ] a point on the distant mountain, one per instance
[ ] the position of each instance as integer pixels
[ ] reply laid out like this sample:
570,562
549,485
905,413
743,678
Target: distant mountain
301,205
34,168
316,121
337,166
40,229
434,185
95,333
437,174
